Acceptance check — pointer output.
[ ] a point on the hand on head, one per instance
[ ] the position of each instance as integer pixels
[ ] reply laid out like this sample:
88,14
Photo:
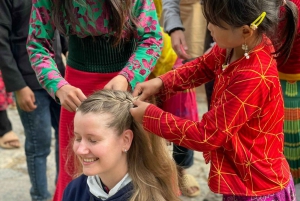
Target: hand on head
70,97
146,89
118,83
143,91
179,44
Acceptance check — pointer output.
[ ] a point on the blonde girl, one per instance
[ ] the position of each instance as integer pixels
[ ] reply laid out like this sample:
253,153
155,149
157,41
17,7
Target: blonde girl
119,160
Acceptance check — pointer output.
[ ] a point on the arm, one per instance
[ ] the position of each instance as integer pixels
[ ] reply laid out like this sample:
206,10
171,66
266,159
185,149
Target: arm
39,47
171,15
241,101
11,74
12,77
174,27
149,43
191,74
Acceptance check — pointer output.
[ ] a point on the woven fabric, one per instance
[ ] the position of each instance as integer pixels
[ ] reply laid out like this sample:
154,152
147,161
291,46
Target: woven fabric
97,54
291,96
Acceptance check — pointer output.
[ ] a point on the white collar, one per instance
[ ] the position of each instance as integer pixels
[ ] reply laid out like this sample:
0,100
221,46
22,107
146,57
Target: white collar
96,188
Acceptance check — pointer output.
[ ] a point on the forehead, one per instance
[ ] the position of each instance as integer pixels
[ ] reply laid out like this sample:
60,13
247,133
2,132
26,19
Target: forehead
92,119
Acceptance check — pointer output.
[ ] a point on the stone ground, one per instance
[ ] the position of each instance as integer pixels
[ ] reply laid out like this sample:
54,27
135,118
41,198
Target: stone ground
15,182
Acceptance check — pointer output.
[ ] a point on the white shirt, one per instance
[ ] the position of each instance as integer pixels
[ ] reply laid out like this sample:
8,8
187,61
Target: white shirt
97,190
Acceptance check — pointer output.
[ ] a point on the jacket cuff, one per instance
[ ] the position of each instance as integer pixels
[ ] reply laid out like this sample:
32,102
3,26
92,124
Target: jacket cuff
172,22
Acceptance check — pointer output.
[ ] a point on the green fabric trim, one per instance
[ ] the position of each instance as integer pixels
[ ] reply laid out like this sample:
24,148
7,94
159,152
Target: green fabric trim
96,54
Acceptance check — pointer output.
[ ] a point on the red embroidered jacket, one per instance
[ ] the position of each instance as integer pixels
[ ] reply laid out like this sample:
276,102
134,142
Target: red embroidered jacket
242,134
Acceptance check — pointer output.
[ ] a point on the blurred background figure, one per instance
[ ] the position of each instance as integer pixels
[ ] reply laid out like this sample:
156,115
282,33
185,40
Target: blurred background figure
8,139
39,113
289,74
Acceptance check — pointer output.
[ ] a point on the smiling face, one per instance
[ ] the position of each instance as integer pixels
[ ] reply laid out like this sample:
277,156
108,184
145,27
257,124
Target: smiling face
99,148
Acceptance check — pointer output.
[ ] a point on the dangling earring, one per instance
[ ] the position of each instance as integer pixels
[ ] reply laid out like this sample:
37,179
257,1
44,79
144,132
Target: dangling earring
245,48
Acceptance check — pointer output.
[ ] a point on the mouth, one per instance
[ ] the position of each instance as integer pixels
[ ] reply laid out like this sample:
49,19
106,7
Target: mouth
89,160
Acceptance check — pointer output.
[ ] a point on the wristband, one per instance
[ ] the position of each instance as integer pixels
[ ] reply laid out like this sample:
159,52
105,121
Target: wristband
175,29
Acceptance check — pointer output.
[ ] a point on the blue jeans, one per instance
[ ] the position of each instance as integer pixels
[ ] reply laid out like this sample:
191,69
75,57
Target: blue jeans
37,127
183,157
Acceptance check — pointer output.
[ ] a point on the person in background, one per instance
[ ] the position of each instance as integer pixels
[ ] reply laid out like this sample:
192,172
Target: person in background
289,75
112,44
8,138
39,113
242,133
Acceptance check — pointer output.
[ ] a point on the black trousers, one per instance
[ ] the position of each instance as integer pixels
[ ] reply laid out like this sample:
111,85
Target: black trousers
5,124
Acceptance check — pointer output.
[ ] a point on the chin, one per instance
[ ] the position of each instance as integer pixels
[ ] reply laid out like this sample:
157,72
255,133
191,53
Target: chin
89,172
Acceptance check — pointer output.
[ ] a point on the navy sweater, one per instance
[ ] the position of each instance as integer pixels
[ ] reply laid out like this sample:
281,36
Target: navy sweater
78,190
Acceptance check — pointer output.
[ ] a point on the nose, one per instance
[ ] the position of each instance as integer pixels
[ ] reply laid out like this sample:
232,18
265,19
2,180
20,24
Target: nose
80,148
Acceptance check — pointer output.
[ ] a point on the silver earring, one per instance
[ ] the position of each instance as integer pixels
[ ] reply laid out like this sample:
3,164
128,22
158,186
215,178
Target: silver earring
245,48
125,151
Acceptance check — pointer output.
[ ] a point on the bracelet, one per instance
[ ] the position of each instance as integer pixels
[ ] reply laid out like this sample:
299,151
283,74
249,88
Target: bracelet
175,29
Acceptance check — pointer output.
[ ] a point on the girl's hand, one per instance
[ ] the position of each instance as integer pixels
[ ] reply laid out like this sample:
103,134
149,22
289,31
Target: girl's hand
70,97
139,110
117,83
146,89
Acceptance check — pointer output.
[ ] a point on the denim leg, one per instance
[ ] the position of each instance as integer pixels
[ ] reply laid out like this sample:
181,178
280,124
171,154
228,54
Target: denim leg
55,114
37,128
183,157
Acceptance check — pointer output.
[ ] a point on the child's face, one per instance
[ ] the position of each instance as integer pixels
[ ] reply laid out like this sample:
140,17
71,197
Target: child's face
226,38
100,149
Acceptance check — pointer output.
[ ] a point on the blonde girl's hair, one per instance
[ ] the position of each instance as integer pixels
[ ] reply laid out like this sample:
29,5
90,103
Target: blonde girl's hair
150,164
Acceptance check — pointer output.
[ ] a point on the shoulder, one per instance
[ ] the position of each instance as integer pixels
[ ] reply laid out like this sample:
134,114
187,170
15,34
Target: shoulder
77,189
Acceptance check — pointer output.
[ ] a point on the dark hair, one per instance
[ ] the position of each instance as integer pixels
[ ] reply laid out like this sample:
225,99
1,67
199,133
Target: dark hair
237,13
121,16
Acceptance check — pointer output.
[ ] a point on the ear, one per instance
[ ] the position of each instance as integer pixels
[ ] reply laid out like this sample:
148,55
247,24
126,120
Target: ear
127,137
247,32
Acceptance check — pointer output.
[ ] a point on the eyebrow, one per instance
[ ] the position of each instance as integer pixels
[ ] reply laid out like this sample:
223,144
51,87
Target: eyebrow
89,134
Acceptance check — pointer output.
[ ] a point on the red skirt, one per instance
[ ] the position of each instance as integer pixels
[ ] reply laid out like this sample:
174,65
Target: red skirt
88,83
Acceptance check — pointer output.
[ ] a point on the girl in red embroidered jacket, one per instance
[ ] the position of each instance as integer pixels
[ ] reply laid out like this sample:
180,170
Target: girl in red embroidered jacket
242,134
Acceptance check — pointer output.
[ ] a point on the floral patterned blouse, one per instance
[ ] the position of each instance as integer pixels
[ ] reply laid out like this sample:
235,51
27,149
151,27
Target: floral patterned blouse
94,21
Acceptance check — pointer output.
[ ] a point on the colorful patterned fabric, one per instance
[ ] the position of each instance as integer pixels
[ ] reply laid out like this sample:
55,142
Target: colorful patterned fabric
94,21
287,194
291,96
5,98
242,134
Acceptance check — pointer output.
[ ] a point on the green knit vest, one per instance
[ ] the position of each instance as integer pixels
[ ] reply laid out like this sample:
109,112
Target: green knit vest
96,54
